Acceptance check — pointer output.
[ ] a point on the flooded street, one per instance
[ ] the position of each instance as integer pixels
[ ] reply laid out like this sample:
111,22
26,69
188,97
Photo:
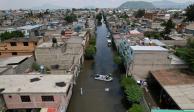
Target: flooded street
95,98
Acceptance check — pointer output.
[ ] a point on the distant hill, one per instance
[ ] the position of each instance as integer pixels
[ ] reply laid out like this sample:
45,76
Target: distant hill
170,4
137,5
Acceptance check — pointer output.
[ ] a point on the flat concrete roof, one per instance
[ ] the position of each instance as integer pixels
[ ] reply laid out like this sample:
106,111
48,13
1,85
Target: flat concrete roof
190,26
148,48
74,40
158,42
48,44
44,84
12,60
179,85
3,69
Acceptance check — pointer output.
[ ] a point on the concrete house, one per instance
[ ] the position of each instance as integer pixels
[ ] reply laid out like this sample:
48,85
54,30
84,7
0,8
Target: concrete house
63,58
36,91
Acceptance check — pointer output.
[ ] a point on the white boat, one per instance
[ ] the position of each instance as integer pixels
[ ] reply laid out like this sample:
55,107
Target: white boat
109,41
106,78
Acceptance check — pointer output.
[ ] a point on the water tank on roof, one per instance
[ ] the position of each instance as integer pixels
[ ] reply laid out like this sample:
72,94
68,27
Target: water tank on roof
146,40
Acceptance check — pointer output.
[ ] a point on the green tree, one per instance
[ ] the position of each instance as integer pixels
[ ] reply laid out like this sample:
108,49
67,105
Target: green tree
140,13
190,13
9,35
99,17
71,18
136,108
187,54
169,25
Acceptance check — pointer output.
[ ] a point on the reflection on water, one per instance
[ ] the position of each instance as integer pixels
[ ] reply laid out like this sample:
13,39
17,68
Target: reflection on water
94,98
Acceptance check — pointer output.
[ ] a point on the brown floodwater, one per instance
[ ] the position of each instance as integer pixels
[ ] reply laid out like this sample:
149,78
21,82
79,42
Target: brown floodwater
94,97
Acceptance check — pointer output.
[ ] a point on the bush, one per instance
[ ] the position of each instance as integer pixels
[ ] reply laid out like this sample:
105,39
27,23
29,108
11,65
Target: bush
187,54
136,108
126,81
89,52
134,93
35,66
92,41
118,59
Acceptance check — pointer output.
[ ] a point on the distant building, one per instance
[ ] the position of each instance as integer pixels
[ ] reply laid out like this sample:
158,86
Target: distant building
36,91
149,15
32,30
18,46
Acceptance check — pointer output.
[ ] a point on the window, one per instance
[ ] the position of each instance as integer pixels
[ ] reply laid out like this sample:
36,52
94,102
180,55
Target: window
14,53
25,43
25,98
13,43
47,98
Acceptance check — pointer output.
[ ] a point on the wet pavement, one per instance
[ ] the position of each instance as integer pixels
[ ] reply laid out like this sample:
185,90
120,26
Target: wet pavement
94,98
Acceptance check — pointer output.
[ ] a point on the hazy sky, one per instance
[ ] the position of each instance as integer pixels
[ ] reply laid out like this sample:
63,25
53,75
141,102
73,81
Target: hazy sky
13,4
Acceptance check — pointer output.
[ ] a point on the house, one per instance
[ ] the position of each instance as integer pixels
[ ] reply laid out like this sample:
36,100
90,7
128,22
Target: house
63,57
36,91
18,46
174,88
140,59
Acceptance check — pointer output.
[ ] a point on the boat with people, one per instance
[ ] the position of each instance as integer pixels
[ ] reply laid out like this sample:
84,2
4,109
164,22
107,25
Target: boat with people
106,78
109,41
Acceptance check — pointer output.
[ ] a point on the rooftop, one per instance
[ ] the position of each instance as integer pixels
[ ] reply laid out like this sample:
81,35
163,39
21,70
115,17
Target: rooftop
22,39
148,48
48,44
35,83
29,27
190,26
12,60
179,85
